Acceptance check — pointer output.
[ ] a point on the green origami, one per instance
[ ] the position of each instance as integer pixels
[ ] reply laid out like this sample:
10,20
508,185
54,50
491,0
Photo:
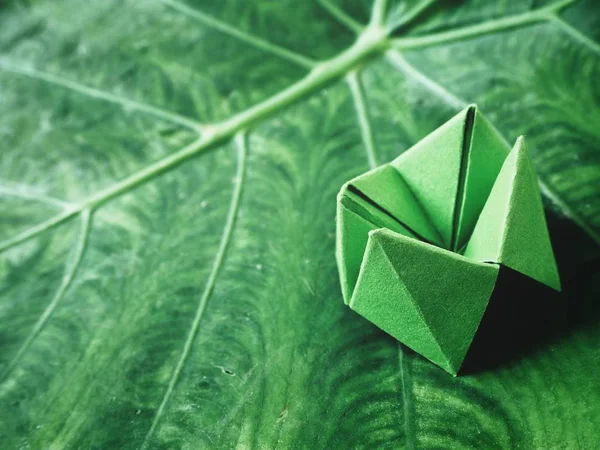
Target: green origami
420,240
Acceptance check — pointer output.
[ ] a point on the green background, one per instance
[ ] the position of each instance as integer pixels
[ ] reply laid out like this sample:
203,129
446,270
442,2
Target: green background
168,178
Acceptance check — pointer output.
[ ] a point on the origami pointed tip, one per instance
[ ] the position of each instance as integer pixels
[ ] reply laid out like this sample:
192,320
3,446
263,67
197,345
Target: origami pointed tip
344,187
520,143
483,153
377,232
512,229
467,115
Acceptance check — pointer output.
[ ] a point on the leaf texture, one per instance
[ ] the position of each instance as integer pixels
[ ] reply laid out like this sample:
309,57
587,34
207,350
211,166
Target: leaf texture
168,173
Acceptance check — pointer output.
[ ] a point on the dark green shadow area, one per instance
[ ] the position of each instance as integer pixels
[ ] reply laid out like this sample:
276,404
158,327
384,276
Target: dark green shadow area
524,315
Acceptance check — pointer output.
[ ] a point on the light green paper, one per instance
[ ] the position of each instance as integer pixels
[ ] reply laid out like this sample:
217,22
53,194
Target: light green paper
420,240
511,229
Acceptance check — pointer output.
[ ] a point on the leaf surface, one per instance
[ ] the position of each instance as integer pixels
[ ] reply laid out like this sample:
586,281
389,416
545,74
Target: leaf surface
168,173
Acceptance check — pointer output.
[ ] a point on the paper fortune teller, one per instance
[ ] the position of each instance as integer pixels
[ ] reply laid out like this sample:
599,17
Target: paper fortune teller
420,240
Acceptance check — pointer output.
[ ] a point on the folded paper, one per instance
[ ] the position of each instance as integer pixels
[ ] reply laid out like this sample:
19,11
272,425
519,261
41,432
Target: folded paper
420,240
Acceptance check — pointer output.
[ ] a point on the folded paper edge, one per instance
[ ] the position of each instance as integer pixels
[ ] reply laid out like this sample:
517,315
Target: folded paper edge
452,368
518,155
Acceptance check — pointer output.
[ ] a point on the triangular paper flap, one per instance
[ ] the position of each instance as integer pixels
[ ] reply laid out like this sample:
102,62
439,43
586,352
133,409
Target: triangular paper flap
481,164
351,241
512,229
385,188
448,292
381,297
431,168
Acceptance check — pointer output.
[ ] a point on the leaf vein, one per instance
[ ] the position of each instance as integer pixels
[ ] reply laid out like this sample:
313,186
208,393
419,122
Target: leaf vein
99,94
341,16
29,193
483,28
396,59
218,261
247,38
413,14
68,277
576,34
39,229
364,118
407,398
378,14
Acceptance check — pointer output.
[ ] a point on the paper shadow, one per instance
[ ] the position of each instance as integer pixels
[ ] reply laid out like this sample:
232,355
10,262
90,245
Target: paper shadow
524,315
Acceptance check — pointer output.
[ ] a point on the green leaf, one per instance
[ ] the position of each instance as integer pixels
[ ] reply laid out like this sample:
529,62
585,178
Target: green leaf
168,175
